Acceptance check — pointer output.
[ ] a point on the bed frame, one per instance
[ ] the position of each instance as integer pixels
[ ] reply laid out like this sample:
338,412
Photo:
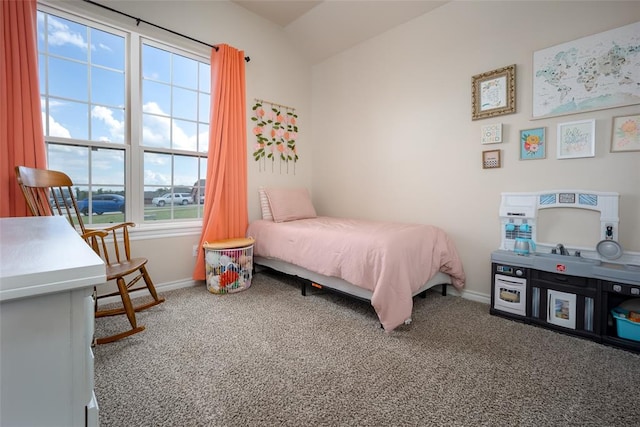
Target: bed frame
335,284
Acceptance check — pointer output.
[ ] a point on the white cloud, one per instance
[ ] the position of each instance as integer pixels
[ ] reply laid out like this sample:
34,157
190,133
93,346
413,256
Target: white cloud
156,130
59,34
155,178
55,128
116,127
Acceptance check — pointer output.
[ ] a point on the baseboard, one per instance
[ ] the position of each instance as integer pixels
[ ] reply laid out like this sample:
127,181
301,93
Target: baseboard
162,287
477,296
470,295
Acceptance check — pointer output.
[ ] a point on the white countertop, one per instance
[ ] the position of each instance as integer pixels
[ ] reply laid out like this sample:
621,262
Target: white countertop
41,255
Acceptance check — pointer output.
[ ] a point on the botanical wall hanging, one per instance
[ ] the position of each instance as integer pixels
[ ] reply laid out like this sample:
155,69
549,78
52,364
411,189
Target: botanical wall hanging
276,131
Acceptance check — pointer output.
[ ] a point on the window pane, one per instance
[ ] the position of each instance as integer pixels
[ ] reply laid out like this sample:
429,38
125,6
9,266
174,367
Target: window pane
185,104
156,64
185,72
107,167
107,124
68,79
199,187
68,119
203,138
40,22
156,98
42,75
185,175
103,205
107,172
205,77
185,170
107,87
157,170
171,186
204,107
67,38
107,49
70,159
157,183
185,135
155,131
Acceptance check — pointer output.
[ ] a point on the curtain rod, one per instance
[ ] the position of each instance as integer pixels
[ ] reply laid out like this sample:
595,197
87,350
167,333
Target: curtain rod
139,20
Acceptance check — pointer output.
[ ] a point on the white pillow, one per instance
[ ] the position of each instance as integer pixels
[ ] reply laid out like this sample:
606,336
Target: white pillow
264,205
289,204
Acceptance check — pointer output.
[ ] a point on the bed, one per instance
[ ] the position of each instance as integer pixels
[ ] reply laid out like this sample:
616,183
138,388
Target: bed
385,263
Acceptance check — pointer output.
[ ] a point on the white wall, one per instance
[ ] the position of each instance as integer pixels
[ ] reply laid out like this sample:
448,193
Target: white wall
393,137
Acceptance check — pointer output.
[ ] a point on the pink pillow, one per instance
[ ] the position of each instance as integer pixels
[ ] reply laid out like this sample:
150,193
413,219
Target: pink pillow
289,204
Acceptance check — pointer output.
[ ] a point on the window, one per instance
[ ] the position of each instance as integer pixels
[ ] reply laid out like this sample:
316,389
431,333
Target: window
176,96
123,116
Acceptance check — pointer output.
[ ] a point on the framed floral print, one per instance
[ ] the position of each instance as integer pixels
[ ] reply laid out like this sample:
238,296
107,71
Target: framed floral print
533,144
625,133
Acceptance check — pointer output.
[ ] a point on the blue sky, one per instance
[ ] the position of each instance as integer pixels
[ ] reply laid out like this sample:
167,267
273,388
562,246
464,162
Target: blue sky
79,110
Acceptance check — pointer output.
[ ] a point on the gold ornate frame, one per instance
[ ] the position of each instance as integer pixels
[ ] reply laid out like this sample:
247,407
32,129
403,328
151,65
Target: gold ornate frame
493,93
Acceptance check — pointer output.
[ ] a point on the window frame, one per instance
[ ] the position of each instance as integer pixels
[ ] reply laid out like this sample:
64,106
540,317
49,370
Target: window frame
132,145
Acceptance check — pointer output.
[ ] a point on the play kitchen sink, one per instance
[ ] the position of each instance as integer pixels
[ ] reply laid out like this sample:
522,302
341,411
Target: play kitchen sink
574,291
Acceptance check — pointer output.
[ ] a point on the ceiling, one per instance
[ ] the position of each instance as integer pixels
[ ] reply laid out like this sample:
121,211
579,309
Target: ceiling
324,28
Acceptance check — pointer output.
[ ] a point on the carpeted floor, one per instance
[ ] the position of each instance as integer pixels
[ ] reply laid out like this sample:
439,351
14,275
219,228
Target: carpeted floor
268,356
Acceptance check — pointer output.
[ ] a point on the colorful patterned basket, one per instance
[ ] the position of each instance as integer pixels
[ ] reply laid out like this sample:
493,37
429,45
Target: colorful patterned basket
229,265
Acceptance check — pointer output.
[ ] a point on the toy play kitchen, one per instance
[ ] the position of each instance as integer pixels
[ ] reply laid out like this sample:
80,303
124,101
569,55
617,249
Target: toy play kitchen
593,293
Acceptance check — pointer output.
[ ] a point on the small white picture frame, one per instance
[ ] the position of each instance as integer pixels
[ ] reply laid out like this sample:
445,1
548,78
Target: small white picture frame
491,134
577,139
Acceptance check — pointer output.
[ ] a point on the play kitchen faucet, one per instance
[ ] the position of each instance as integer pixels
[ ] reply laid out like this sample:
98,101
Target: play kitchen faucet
559,249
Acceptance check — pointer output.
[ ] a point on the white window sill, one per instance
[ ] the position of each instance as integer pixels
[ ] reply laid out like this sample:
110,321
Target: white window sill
162,230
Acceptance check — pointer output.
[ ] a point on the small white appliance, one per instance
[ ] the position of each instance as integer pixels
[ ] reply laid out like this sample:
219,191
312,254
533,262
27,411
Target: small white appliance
510,289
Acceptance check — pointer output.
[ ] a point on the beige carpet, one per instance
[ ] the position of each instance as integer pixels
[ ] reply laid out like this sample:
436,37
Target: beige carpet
268,356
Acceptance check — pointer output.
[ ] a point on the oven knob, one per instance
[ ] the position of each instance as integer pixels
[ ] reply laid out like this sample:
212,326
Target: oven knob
617,288
519,272
635,291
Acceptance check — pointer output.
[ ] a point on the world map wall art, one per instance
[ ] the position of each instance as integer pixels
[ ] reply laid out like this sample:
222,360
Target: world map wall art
592,73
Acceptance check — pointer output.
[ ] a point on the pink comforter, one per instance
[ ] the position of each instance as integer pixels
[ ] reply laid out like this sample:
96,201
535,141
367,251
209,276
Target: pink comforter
392,260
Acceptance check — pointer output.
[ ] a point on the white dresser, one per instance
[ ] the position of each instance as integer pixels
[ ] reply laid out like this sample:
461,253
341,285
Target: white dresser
47,275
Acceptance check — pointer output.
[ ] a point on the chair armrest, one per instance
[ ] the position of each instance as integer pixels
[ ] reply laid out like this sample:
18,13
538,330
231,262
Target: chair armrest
95,233
118,249
114,227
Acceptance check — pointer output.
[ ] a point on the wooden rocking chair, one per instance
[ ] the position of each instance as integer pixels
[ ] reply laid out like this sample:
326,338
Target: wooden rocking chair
49,192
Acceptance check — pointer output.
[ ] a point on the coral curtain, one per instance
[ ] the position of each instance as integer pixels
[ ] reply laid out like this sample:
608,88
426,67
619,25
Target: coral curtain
225,210
21,137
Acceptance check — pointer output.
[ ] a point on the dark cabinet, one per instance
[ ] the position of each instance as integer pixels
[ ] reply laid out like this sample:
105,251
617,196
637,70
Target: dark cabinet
612,295
565,303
